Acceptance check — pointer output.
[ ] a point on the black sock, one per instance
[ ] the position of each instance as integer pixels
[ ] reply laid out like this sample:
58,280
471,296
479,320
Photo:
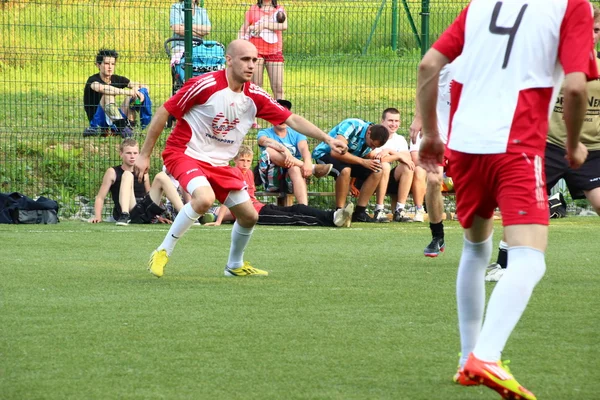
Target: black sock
360,209
502,257
437,230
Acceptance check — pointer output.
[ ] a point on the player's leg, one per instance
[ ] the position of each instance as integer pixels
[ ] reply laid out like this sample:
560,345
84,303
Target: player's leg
162,184
342,185
202,198
404,178
257,76
381,192
524,206
371,181
126,198
275,72
419,183
593,197
238,201
295,215
435,210
298,185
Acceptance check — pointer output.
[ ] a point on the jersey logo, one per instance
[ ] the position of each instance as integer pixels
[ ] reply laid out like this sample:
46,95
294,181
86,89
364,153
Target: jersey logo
222,125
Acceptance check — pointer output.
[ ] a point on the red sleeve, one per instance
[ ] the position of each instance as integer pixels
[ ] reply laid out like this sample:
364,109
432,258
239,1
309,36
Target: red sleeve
452,40
267,108
576,47
195,91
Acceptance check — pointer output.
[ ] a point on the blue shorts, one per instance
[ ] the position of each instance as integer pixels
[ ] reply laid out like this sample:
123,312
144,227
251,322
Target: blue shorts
99,119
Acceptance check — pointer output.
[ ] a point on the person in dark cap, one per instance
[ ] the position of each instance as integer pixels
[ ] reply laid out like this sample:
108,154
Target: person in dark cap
285,160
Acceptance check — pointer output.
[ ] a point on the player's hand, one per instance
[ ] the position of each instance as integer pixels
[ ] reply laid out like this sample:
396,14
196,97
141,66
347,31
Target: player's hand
337,145
431,153
577,156
354,192
163,220
415,129
409,164
289,159
383,153
141,167
306,170
372,164
94,220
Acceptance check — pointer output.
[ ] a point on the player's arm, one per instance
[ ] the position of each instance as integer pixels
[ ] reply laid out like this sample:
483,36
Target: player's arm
290,160
575,107
111,90
432,148
304,126
109,178
142,164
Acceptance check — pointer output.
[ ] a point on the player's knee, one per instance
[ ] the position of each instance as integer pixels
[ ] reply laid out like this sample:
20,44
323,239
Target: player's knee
248,219
202,204
386,167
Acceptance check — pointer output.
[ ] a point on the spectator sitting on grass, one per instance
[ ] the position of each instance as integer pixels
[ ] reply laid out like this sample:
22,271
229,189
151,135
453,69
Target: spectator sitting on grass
99,99
135,202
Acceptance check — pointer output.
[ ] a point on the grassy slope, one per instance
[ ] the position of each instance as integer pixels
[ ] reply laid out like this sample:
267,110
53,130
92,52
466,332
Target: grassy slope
333,322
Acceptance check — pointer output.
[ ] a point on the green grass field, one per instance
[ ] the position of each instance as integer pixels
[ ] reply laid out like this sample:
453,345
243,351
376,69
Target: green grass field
345,314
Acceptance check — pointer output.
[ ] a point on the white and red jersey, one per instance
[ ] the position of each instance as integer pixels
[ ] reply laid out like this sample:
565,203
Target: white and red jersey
514,55
442,107
212,119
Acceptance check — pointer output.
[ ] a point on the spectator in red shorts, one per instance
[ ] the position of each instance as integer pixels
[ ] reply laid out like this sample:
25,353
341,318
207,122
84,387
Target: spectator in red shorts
263,24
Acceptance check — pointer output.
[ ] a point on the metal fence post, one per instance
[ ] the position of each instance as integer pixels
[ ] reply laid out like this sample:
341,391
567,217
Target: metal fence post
394,41
188,38
424,27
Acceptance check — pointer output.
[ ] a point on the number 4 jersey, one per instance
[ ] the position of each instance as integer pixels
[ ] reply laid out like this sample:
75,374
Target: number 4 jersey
514,55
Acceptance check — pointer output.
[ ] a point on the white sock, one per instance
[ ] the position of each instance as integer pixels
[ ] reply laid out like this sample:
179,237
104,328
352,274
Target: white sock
240,237
503,245
399,206
470,293
508,301
378,207
182,223
419,208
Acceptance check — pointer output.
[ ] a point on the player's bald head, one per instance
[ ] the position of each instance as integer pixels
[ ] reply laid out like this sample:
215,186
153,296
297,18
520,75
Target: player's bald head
240,46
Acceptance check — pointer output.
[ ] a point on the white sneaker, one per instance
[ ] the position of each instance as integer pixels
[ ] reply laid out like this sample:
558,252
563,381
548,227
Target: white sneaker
381,216
494,273
343,216
419,215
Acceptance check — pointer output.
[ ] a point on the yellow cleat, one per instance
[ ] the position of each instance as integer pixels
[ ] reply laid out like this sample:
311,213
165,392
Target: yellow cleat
157,262
497,377
245,270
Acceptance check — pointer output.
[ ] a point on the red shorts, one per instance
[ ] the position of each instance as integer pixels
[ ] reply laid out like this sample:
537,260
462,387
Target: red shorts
185,168
275,57
512,182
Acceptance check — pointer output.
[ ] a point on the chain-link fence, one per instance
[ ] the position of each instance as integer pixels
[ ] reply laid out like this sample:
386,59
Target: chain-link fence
342,59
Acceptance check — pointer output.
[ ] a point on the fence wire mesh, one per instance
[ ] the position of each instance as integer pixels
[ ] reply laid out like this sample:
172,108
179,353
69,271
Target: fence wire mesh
342,59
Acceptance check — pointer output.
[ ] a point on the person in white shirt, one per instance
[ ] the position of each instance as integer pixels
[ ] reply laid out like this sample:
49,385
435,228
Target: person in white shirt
433,193
502,95
396,181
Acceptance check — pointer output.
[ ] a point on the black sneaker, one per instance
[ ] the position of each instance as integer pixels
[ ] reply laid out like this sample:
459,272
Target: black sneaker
126,132
380,216
124,219
362,217
400,216
89,131
434,248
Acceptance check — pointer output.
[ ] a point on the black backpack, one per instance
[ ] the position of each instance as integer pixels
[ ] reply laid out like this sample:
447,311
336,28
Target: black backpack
557,205
16,208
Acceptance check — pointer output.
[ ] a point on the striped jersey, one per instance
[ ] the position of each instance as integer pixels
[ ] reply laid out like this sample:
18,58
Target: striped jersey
514,55
354,130
212,119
